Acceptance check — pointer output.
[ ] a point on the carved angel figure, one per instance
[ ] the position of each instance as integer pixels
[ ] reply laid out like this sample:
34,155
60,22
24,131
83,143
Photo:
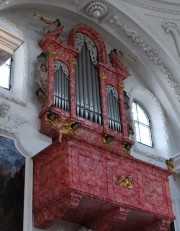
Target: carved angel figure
52,24
40,80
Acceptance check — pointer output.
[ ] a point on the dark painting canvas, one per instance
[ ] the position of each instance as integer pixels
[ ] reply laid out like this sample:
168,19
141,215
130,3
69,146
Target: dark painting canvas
12,165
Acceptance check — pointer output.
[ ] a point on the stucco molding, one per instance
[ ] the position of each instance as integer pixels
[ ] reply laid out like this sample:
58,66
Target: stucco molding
9,42
3,2
156,102
12,99
17,143
172,27
153,6
151,54
12,123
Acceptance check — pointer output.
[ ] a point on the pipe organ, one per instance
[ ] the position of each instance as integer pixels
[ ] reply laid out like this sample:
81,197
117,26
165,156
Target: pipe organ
87,174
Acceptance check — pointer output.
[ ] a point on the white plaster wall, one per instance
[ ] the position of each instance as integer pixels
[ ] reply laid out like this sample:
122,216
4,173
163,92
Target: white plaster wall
175,195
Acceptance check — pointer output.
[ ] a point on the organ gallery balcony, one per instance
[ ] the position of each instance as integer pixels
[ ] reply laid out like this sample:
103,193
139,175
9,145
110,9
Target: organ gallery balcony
102,190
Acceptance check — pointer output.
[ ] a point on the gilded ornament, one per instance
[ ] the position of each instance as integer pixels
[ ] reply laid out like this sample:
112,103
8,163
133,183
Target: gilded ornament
51,52
72,62
170,165
103,77
127,148
63,126
125,181
120,85
107,140
134,58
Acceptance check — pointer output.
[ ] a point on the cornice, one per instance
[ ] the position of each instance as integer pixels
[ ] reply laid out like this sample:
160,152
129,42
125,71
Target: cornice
9,42
4,56
159,7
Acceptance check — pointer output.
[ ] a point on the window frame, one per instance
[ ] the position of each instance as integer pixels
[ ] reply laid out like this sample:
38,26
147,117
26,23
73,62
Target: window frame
139,123
9,66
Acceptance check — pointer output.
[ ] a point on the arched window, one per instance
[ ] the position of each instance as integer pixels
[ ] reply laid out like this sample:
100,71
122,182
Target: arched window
87,80
142,125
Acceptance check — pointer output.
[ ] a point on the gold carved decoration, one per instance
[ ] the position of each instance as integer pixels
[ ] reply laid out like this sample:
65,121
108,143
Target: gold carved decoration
48,20
72,62
107,139
134,58
170,165
64,126
120,85
51,52
127,148
103,77
125,181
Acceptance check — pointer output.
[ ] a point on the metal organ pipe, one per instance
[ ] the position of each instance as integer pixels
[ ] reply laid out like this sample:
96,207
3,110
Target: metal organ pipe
113,108
87,87
61,86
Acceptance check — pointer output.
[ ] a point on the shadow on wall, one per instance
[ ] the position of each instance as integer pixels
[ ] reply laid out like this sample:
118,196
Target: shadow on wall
12,165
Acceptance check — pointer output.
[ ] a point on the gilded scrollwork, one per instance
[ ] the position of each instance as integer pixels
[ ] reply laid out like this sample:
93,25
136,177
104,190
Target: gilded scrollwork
125,181
127,148
107,139
64,126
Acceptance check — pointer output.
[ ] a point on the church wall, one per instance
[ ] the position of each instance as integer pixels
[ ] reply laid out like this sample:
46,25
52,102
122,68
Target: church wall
22,119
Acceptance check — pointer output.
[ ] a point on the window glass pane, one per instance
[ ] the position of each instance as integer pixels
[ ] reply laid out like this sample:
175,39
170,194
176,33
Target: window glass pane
145,135
5,70
136,125
134,110
142,117
141,125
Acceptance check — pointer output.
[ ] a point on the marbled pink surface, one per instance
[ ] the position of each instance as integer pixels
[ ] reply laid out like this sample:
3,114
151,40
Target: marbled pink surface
74,176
